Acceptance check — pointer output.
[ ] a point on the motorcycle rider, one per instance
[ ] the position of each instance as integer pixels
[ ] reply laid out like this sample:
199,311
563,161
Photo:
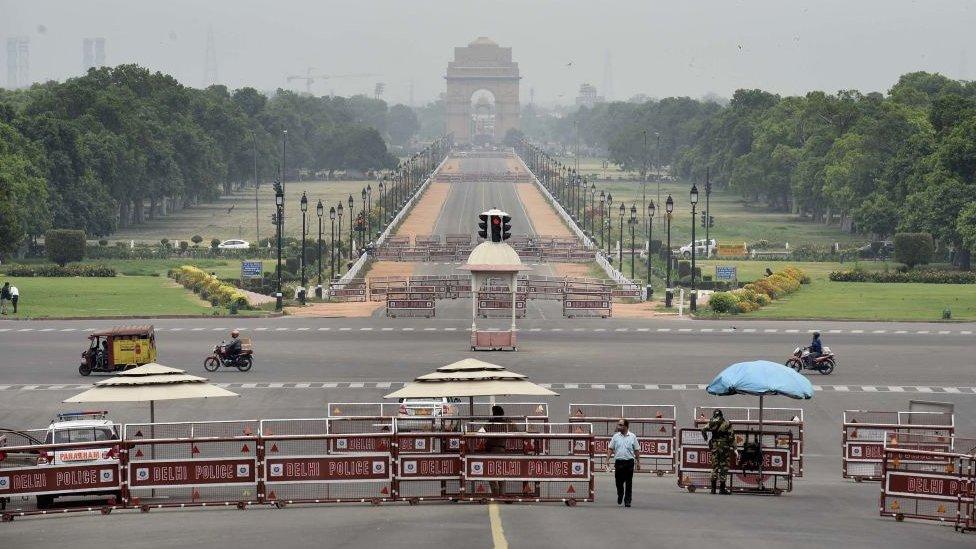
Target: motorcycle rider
233,349
815,348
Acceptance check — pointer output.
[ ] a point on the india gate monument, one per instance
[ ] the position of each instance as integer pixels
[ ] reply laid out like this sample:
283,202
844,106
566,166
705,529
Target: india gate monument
482,92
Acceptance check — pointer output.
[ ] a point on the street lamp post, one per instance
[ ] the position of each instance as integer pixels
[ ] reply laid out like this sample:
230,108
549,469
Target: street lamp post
382,203
650,234
332,250
351,216
365,195
620,242
339,209
668,290
708,214
592,213
319,211
633,225
609,223
603,202
369,211
279,218
694,202
304,204
660,172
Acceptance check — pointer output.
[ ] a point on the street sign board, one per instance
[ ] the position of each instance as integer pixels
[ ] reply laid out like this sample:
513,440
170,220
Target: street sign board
726,272
251,269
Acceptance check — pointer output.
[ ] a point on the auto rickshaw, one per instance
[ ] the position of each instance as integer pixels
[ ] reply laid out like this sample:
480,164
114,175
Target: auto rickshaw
119,348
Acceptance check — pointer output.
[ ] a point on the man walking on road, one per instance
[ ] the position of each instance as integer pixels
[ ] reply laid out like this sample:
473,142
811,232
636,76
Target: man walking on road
625,452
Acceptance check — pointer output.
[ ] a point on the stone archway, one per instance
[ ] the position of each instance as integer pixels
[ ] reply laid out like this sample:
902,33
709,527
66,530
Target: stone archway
480,66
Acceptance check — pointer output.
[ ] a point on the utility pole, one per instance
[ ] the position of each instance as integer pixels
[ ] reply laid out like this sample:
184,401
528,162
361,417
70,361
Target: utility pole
257,186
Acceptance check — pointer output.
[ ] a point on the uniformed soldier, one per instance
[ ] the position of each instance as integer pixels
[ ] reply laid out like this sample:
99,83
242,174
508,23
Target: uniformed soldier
722,446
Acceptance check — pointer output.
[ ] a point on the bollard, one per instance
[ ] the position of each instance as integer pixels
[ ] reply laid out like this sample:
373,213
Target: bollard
278,301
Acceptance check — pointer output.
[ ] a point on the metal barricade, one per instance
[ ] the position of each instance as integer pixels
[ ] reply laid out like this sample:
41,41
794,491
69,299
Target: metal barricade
457,239
397,241
921,481
328,460
40,475
581,256
422,240
388,253
864,434
414,254
505,461
379,286
352,290
545,287
628,291
499,304
774,419
192,464
695,462
588,304
458,286
654,426
433,284
410,304
443,254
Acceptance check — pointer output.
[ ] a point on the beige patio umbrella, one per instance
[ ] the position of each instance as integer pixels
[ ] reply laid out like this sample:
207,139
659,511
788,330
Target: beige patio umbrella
151,382
470,378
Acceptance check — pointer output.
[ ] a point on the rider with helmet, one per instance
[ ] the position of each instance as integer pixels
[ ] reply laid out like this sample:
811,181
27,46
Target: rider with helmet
815,348
234,347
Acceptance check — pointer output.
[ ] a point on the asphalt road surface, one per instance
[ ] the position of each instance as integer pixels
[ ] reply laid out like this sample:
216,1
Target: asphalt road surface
304,363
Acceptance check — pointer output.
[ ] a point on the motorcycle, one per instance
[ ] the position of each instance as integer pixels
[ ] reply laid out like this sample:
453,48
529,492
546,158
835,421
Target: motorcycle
824,363
243,361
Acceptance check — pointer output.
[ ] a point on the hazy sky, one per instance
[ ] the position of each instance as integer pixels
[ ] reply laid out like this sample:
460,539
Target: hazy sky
660,48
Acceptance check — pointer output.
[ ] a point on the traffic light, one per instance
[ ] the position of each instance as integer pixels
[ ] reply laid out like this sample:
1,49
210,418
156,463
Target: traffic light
483,226
703,218
711,221
496,228
506,227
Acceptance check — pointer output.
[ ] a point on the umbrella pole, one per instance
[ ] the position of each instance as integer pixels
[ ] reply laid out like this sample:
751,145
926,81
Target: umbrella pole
152,435
471,406
760,442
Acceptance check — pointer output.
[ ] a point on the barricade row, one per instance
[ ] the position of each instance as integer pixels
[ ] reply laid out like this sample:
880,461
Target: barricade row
291,461
865,434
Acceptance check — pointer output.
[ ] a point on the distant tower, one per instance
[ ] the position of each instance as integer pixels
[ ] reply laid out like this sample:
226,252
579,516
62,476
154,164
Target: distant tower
210,70
607,77
18,62
99,52
378,90
87,54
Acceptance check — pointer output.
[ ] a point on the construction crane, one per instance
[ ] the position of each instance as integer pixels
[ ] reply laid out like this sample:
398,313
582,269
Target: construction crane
310,78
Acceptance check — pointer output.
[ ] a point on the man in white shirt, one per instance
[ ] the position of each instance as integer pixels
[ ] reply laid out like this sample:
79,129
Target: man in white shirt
14,296
625,452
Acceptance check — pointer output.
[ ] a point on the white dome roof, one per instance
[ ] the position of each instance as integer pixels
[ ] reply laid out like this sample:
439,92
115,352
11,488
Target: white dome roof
494,256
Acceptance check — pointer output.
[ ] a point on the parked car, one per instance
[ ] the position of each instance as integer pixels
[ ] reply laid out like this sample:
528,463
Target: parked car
234,245
701,249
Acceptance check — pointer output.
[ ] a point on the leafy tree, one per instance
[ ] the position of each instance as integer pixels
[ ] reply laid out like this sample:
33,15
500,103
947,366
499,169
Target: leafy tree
913,249
402,124
64,245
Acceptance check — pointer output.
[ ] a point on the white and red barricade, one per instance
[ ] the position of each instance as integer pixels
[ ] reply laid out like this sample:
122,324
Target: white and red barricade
653,424
865,433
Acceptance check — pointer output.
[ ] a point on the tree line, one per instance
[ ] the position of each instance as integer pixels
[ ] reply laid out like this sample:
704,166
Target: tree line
902,161
121,145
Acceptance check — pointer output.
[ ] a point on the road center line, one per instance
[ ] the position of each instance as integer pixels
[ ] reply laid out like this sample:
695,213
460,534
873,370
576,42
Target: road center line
497,531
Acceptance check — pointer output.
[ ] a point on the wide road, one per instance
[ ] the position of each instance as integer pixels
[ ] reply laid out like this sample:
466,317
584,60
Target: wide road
304,363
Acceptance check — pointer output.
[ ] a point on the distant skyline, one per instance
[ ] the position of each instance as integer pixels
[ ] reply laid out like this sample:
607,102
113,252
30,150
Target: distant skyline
658,48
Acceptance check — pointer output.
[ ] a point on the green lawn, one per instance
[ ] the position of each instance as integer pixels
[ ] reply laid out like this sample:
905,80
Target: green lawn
234,216
119,296
823,299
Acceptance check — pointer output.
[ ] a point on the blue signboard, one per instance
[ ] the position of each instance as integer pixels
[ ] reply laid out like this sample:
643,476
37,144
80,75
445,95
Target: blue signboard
251,269
725,272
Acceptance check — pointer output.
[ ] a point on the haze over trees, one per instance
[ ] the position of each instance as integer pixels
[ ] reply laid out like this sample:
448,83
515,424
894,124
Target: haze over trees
874,163
122,145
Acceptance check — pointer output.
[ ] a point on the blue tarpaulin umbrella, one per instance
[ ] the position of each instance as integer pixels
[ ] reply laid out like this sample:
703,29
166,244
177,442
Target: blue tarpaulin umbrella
761,378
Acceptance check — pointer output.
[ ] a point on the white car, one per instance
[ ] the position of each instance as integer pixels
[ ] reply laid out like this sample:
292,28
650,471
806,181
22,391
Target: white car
701,249
80,427
234,245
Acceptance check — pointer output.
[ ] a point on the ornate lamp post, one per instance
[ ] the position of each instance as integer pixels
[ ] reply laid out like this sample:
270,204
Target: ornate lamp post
650,234
319,211
332,248
351,217
382,219
369,211
620,243
668,291
279,219
603,202
339,234
304,204
633,225
694,202
609,222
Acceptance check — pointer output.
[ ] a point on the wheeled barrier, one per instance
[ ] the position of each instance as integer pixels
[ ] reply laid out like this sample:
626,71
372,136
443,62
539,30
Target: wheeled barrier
865,433
922,481
653,424
498,304
776,448
411,304
351,290
587,304
744,419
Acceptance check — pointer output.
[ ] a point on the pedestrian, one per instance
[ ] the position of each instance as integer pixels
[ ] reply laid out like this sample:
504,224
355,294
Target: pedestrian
14,296
625,452
722,447
497,445
4,297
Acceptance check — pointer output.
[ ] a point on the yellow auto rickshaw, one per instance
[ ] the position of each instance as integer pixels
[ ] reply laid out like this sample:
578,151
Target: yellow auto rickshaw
119,348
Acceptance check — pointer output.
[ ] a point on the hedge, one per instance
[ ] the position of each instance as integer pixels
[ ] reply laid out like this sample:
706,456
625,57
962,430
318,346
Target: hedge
914,248
87,270
926,276
210,287
759,293
64,245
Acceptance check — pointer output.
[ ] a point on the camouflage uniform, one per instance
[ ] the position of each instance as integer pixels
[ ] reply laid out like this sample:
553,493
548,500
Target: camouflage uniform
722,445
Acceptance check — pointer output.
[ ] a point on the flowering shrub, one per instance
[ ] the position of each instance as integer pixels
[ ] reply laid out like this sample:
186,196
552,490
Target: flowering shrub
210,287
759,293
